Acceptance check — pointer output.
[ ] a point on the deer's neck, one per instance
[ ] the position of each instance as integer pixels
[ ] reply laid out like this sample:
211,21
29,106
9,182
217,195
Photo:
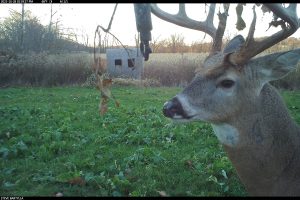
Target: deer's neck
263,146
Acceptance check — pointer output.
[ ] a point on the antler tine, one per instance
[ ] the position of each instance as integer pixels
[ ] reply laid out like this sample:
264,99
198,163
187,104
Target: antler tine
181,11
251,47
183,20
250,37
217,44
205,26
288,14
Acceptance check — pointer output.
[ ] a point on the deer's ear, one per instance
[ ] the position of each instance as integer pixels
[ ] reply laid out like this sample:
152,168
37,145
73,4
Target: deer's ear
276,66
234,44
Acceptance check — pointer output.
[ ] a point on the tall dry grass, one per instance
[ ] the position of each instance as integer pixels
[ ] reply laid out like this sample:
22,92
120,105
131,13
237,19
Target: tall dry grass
45,70
172,69
162,69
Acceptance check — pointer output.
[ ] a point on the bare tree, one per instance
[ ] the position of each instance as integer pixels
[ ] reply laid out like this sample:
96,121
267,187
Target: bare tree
176,42
155,44
22,29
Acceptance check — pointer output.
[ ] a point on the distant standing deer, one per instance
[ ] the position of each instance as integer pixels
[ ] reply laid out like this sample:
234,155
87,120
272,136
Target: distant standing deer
231,91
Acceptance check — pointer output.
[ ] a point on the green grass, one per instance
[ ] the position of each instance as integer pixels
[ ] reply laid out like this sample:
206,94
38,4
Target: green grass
53,140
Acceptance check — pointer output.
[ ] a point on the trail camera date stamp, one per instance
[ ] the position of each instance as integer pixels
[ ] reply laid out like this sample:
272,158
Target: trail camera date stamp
12,198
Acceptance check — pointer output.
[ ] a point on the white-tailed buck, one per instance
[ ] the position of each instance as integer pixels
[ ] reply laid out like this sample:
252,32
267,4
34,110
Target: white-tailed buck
231,91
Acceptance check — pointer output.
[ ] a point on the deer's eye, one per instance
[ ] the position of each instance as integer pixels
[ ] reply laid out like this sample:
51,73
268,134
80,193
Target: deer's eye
226,83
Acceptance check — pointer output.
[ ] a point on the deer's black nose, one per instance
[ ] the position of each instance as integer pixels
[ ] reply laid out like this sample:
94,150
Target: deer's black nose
172,108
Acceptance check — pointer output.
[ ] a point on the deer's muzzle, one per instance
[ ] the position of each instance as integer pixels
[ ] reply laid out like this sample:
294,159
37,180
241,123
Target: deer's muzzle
173,109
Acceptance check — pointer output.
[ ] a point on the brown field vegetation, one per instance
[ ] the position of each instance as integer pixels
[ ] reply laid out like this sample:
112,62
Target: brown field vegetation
46,59
162,69
172,69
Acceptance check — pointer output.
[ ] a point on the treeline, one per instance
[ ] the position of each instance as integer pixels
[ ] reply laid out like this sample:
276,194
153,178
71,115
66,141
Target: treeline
22,33
176,44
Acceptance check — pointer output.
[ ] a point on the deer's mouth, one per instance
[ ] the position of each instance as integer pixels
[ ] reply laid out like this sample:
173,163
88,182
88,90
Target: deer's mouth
183,120
173,109
186,117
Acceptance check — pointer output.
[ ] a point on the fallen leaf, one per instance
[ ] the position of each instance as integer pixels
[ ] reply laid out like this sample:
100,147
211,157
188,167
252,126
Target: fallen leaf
77,181
59,194
162,193
190,164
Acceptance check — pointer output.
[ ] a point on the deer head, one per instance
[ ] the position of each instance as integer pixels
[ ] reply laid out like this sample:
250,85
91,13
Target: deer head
231,91
227,79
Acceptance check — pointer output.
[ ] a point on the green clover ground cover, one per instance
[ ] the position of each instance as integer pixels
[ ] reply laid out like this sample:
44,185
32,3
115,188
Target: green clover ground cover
52,140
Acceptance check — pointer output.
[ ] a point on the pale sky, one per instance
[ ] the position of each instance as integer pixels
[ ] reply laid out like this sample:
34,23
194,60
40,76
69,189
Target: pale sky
84,18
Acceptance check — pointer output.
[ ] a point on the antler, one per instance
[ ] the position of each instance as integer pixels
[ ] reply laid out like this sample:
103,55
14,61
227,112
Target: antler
251,47
206,26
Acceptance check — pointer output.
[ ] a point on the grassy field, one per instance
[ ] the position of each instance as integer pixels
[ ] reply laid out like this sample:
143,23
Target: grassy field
53,141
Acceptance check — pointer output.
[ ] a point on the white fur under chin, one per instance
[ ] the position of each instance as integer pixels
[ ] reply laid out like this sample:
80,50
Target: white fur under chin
226,134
